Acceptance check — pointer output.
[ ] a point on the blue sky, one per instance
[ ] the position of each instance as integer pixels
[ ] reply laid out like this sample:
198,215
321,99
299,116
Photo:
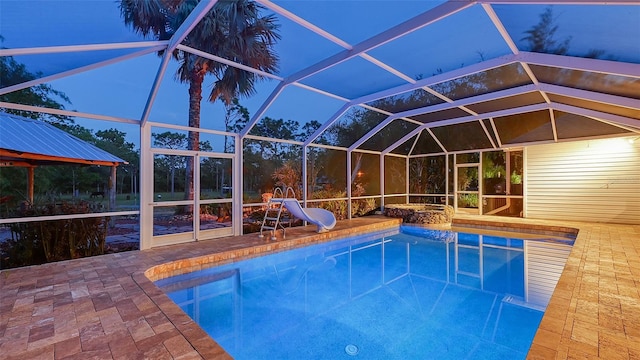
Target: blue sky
121,89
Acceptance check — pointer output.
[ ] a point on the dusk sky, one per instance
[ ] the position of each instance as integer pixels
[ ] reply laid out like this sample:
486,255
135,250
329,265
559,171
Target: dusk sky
121,89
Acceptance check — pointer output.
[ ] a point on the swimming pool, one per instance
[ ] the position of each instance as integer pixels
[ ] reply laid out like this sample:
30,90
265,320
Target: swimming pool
402,294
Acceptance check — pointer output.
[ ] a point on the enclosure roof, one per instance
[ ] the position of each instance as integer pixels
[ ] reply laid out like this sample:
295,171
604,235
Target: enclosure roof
429,76
28,142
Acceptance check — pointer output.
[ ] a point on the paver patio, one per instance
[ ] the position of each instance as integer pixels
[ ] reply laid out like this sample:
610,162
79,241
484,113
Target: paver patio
107,306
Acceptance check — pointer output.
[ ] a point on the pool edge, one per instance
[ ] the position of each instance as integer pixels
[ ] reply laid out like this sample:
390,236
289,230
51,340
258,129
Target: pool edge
205,344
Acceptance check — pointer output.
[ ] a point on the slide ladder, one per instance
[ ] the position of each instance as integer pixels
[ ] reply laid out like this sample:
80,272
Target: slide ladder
273,212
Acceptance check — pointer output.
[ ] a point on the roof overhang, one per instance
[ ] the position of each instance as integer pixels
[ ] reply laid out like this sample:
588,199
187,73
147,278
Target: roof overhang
12,158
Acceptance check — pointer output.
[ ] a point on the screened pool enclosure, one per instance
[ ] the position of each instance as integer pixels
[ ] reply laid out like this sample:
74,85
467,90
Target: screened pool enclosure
364,104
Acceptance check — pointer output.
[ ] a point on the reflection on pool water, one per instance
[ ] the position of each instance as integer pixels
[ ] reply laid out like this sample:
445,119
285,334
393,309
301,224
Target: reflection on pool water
406,294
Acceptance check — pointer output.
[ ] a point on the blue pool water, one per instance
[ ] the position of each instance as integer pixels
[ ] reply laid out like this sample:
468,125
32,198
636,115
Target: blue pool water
405,294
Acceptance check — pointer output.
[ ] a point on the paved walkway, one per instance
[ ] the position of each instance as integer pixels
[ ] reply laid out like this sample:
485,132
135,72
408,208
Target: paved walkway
107,306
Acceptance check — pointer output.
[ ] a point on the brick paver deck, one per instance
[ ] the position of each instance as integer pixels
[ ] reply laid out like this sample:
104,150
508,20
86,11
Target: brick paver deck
108,307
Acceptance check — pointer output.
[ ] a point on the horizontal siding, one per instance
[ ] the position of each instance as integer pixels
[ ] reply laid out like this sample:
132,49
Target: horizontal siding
594,181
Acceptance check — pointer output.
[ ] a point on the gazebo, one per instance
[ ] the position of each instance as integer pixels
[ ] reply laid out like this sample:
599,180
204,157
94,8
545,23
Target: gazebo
31,143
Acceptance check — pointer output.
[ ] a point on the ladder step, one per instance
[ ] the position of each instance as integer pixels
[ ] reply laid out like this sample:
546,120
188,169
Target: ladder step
268,227
271,218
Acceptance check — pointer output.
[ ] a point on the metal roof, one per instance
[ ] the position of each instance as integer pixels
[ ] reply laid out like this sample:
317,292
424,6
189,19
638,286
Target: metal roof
36,142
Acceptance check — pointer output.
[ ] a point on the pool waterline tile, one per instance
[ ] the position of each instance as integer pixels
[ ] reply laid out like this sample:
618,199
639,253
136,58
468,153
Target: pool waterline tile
606,252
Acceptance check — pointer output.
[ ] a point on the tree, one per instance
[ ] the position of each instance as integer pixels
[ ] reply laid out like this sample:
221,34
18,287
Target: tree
288,175
171,163
308,129
171,140
313,168
43,95
276,129
233,29
236,117
540,37
114,142
355,125
262,158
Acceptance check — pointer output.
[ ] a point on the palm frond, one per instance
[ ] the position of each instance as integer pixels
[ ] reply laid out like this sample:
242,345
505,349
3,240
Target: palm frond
232,29
148,17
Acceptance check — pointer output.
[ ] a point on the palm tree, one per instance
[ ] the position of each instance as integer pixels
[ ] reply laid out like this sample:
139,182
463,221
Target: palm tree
232,29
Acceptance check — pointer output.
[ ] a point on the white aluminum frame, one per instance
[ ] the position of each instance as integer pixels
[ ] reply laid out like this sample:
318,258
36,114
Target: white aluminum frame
361,50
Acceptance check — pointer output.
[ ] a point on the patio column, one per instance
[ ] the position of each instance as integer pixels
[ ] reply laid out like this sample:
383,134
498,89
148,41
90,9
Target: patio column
237,180
382,171
30,183
349,181
112,188
146,188
406,179
305,179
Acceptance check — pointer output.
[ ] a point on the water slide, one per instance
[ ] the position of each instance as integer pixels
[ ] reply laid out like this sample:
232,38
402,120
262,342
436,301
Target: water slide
323,219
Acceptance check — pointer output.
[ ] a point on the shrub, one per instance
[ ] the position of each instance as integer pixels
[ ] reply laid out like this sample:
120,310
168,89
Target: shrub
468,200
340,207
39,242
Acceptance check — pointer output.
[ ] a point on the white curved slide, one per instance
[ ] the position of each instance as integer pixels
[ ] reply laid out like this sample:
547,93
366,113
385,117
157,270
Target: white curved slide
323,219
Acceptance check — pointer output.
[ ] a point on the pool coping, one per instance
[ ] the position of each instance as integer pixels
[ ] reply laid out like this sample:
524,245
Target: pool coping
188,265
298,237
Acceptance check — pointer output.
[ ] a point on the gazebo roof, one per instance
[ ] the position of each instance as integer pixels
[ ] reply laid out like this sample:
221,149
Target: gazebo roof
28,142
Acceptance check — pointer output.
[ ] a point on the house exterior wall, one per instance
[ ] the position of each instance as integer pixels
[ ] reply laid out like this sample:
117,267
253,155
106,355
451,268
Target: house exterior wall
594,181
